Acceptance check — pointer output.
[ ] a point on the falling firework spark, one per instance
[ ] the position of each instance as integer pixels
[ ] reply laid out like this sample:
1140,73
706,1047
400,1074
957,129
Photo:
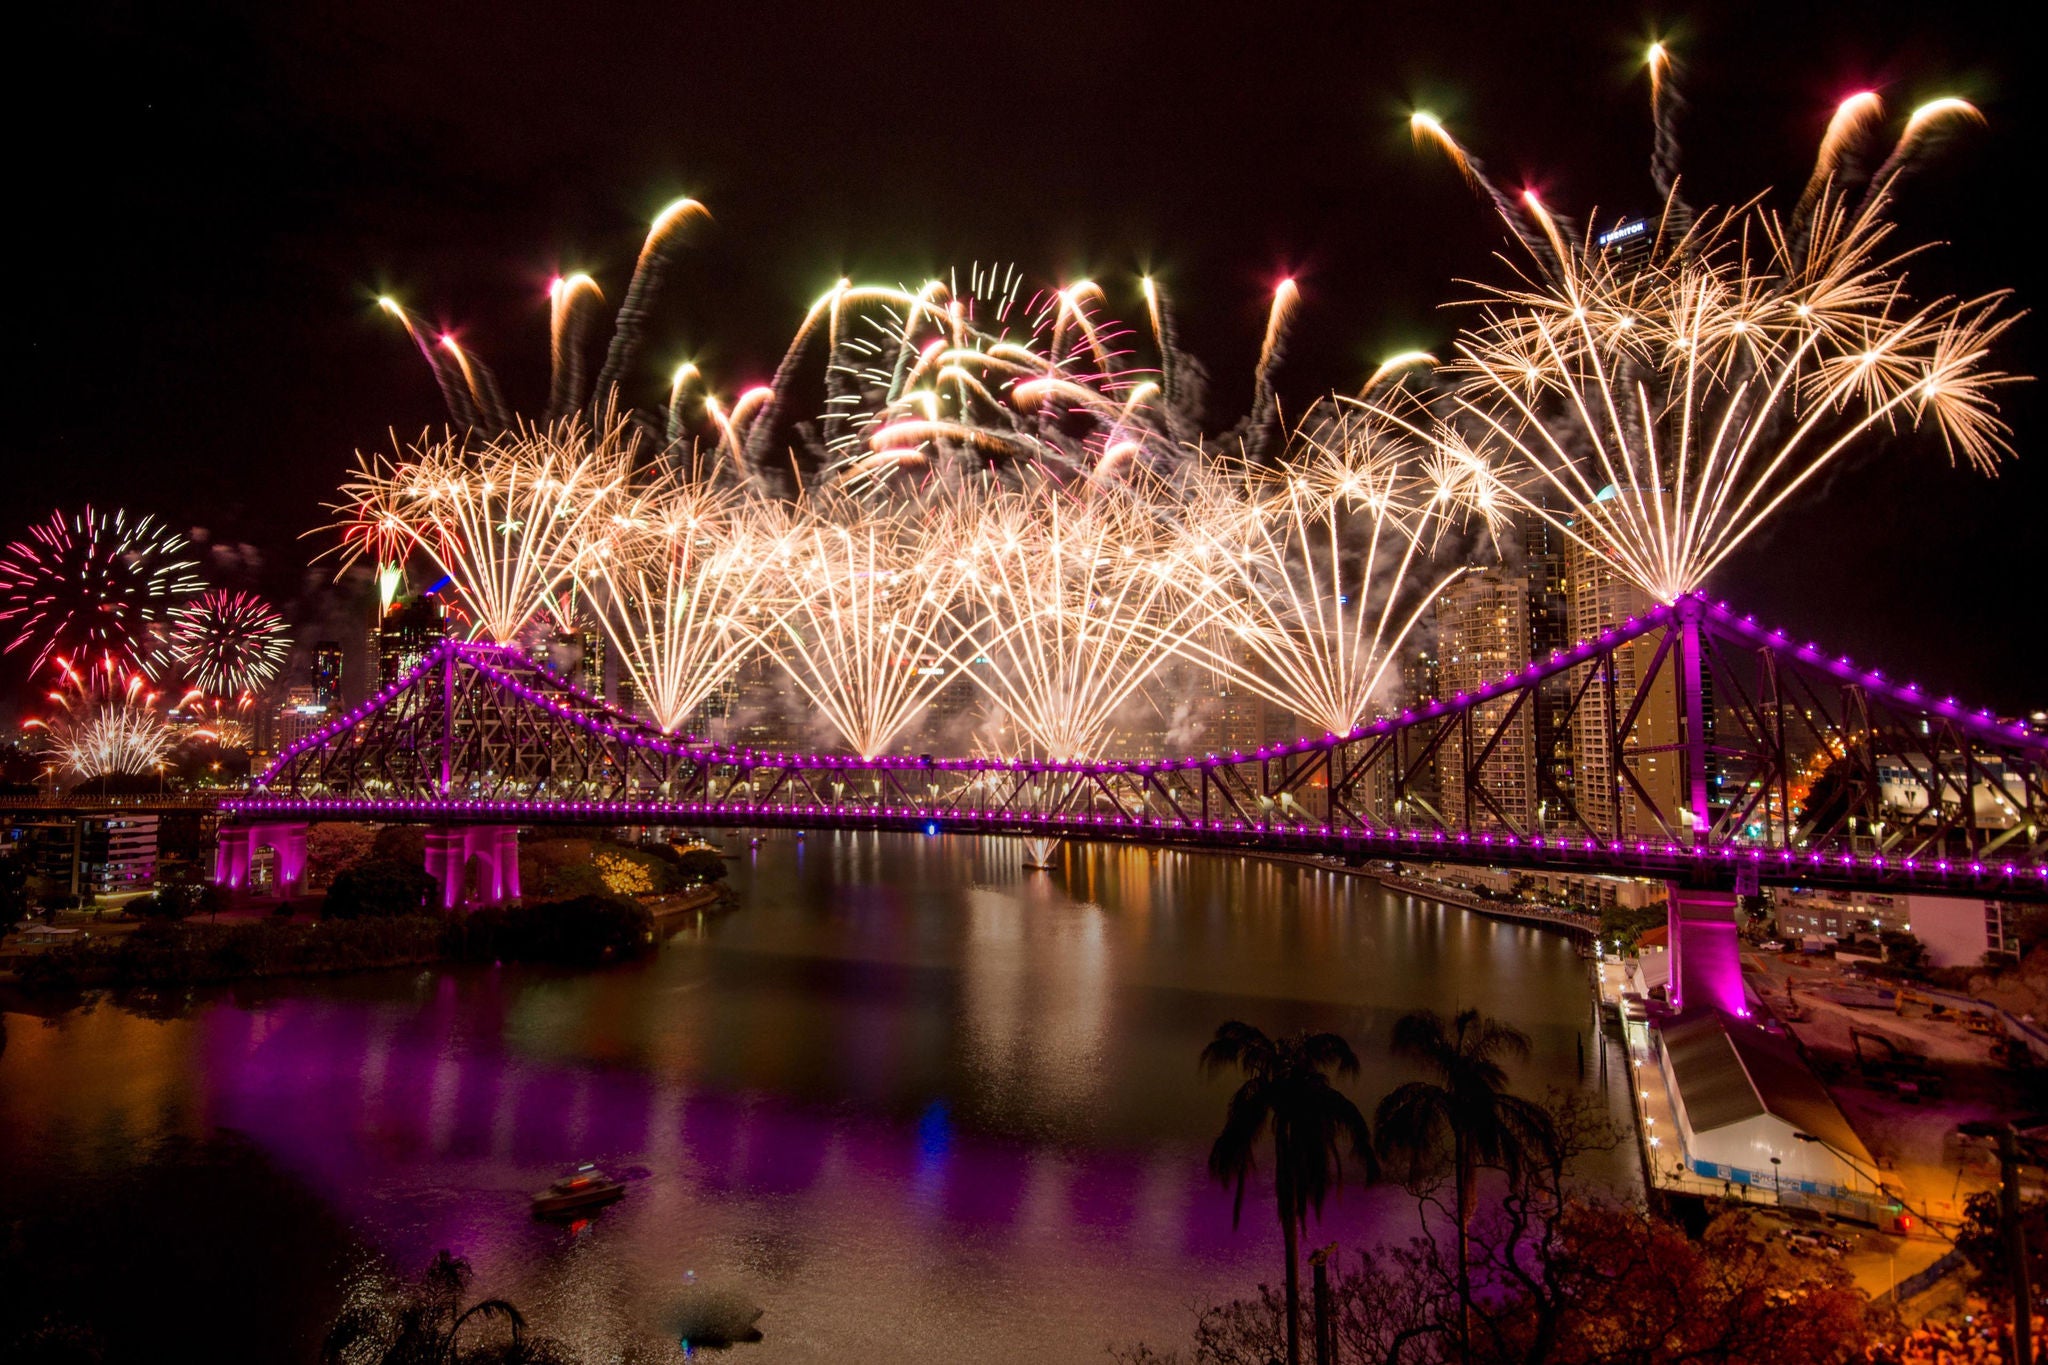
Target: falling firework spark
868,629
94,583
678,574
1327,563
1079,604
228,643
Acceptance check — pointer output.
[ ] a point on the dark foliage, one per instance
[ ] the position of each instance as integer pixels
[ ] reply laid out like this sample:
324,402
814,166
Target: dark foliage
700,864
378,888
1287,1092
423,1322
178,902
1982,1242
400,844
13,889
587,931
583,932
1619,924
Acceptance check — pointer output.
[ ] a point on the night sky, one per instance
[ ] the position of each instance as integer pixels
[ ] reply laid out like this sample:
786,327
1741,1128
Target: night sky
208,198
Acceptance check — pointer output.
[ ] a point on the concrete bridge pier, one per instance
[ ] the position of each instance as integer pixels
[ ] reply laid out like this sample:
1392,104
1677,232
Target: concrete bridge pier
1706,950
474,864
235,851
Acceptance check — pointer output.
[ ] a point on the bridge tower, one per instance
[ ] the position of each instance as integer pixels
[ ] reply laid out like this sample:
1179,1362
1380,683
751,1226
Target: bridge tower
235,852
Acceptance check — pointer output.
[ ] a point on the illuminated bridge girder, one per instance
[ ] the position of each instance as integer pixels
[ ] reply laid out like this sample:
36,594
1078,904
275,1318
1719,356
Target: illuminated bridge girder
1802,768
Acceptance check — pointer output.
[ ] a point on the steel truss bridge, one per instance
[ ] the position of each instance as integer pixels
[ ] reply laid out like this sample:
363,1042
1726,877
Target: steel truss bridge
1723,755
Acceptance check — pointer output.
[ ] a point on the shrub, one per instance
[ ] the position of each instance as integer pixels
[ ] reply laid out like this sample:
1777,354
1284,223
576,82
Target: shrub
378,888
700,864
399,843
177,902
582,932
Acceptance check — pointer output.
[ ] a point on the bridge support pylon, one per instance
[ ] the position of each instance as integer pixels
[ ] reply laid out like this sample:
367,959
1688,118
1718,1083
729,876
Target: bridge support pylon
235,851
1706,950
491,851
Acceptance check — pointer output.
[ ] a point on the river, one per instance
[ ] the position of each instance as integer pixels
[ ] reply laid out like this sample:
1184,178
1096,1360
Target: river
915,1101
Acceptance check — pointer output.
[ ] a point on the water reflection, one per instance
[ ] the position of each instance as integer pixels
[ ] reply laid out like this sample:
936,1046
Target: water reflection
912,1098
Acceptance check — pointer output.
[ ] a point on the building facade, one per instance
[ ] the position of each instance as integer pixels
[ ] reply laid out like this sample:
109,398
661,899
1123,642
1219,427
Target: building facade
1482,631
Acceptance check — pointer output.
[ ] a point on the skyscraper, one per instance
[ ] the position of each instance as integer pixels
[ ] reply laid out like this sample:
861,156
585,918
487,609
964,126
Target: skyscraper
327,674
1482,625
1613,781
407,633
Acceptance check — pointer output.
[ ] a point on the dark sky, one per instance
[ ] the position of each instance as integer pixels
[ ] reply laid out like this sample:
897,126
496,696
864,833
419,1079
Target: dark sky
208,197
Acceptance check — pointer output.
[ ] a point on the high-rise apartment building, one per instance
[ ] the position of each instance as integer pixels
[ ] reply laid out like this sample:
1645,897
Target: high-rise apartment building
299,716
327,675
1482,631
1610,800
406,633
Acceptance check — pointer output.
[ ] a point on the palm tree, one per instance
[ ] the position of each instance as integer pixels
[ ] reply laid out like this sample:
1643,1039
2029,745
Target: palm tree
418,1323
1287,1088
1465,1107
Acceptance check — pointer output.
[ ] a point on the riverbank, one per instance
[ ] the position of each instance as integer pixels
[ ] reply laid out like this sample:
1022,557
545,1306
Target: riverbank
579,931
1538,916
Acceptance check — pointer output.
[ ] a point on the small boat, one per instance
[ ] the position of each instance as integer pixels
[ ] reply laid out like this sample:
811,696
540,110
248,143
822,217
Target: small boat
586,1187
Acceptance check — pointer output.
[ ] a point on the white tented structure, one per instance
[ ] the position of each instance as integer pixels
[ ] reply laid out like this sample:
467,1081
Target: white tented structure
1743,1095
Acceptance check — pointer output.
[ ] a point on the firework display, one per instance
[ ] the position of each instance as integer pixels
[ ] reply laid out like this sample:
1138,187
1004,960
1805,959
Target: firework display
995,487
509,519
868,623
107,720
1005,497
967,378
1658,390
94,583
1327,563
679,568
228,643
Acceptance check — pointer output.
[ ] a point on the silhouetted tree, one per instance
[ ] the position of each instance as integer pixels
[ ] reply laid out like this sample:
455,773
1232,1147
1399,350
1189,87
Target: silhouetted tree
1287,1091
423,1322
1464,1112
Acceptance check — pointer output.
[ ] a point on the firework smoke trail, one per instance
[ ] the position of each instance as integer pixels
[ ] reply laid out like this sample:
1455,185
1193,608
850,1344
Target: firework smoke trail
1924,129
680,575
1666,103
488,411
1837,166
686,378
508,521
1702,388
453,395
1428,129
228,643
1260,422
641,291
106,721
566,324
1327,562
1175,401
867,628
94,583
761,432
